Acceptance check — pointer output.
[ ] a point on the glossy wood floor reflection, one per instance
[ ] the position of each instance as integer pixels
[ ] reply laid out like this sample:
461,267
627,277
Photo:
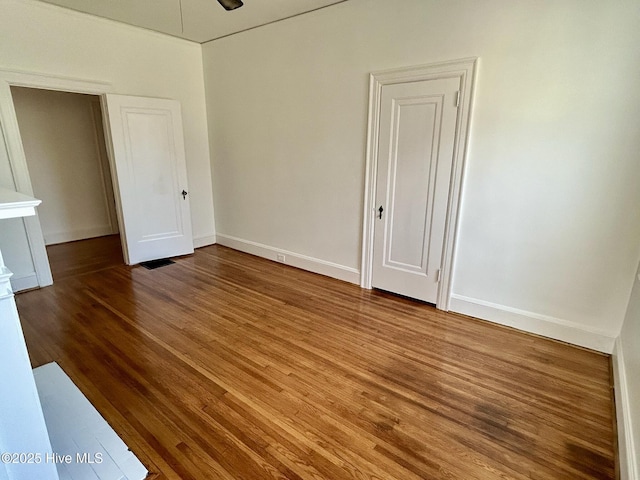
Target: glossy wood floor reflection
228,366
85,256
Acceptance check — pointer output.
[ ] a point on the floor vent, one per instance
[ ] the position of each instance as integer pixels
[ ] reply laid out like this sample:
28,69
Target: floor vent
153,264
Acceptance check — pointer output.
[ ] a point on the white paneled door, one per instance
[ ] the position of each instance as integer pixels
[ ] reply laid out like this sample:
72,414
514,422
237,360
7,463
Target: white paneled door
417,132
150,176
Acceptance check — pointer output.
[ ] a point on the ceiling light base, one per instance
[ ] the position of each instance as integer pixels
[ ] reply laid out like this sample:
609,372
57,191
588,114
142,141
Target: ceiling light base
230,4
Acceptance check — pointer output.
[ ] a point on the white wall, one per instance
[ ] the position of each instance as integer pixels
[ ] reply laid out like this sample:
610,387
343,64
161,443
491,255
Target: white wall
63,141
549,228
627,369
37,37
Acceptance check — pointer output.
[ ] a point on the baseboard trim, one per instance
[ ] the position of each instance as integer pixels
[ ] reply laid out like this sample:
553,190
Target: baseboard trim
204,241
556,328
24,283
304,262
626,447
80,234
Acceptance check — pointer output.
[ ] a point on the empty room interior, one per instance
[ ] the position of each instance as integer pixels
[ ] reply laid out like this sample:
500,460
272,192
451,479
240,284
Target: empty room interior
319,239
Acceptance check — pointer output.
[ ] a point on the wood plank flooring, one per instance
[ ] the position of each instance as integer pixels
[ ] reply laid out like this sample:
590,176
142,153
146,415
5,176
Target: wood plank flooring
85,256
228,366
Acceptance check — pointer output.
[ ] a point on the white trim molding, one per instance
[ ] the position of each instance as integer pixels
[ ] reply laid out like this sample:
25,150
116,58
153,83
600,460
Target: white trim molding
26,282
22,78
531,322
626,447
17,158
204,241
298,260
465,70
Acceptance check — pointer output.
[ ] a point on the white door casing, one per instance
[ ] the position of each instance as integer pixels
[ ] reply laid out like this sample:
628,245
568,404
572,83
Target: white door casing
150,177
436,210
417,133
17,160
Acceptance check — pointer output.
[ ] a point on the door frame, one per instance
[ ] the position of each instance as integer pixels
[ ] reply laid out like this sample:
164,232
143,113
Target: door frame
15,150
465,70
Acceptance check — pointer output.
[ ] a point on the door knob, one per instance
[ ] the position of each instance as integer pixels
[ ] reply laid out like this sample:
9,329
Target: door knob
184,194
380,210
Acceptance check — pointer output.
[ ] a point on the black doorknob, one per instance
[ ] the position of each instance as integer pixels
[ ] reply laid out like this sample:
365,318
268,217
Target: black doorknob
184,194
380,210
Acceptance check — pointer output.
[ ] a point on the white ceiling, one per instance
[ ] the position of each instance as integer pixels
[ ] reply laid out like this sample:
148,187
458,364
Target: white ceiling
196,20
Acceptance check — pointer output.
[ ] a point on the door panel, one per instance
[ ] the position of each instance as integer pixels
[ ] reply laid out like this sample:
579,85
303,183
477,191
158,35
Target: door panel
416,138
150,175
152,157
410,181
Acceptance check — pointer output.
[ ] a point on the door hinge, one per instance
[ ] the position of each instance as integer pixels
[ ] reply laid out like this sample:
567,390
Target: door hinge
458,98
438,275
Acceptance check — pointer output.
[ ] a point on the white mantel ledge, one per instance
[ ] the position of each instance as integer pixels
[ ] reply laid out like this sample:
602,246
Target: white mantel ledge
16,204
5,285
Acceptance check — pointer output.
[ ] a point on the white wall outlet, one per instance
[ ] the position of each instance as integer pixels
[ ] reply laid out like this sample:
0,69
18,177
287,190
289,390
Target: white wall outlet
281,258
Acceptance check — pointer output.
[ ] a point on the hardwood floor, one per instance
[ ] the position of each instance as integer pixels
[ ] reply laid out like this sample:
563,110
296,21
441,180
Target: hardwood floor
228,366
85,256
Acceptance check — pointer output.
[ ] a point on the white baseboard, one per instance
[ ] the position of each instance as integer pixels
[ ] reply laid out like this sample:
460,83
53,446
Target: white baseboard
80,234
626,447
304,262
199,242
24,283
531,322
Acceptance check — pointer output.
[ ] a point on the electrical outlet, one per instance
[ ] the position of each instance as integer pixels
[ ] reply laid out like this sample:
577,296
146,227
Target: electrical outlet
281,258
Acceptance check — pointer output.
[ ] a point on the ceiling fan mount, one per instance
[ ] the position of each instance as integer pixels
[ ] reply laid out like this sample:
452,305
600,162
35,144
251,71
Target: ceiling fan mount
230,4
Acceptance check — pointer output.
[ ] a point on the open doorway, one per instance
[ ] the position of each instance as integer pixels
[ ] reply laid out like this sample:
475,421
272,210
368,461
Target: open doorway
64,144
145,145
